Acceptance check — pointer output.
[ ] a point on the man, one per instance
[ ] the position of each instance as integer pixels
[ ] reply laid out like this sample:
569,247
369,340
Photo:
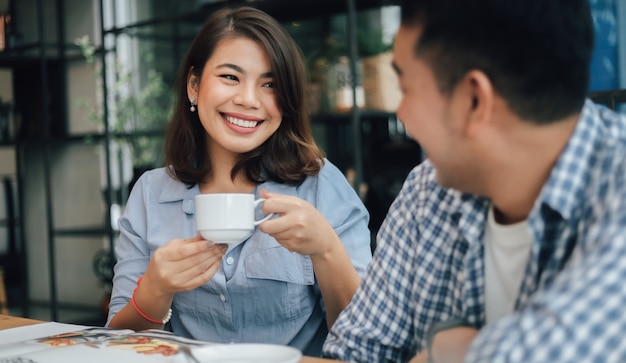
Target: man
509,243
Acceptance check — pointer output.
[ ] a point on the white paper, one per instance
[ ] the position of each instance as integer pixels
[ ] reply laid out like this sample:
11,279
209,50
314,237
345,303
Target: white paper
67,343
28,332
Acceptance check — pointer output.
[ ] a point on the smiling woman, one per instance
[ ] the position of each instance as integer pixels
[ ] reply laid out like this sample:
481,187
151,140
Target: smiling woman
258,68
240,125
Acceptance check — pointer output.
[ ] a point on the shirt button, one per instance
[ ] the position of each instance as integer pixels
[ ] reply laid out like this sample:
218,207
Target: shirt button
222,297
230,260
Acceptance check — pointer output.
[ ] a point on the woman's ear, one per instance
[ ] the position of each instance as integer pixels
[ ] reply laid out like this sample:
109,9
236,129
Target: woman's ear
193,83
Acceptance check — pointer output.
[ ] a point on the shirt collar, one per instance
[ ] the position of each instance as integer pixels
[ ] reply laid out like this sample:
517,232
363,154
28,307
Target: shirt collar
566,183
570,173
176,191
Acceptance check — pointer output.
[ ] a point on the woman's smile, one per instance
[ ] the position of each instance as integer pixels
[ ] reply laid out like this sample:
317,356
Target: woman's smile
241,124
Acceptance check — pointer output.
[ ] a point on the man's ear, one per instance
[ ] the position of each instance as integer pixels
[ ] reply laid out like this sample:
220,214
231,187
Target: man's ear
478,92
193,83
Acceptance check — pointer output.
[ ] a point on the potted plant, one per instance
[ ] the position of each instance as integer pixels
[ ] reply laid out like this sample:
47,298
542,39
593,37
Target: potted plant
139,108
380,83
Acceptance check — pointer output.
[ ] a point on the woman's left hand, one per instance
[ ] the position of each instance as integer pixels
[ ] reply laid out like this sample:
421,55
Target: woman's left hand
300,227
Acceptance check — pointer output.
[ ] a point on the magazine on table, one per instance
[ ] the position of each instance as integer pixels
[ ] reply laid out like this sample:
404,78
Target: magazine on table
68,343
55,342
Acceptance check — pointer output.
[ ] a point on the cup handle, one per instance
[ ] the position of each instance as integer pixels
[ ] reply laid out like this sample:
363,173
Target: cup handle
256,204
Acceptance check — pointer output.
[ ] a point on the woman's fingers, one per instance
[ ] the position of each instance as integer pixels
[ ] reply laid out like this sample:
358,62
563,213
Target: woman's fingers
203,259
200,274
293,213
210,271
182,263
300,228
181,249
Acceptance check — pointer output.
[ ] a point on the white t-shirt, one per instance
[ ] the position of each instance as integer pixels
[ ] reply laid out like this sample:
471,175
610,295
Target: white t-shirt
507,249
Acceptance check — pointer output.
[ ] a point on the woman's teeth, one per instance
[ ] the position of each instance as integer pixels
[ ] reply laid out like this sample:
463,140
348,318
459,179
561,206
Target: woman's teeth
241,123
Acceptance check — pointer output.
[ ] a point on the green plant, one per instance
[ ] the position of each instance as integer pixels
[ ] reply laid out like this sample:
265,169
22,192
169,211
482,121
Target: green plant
370,42
139,108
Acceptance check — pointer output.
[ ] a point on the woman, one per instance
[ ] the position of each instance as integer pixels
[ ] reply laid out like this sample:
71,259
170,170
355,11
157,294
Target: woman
240,126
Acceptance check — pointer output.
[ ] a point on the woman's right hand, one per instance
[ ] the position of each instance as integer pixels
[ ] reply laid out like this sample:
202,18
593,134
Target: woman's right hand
180,265
183,264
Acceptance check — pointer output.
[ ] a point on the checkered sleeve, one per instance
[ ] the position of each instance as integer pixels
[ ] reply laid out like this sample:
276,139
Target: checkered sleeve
378,325
409,283
580,317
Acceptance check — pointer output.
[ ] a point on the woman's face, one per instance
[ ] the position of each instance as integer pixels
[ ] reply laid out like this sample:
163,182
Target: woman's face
236,99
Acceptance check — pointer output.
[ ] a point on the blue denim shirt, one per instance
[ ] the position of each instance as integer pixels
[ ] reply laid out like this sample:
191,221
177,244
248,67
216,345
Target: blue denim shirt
262,292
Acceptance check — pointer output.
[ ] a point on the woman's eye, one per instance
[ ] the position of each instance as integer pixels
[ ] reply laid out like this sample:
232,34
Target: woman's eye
269,85
229,77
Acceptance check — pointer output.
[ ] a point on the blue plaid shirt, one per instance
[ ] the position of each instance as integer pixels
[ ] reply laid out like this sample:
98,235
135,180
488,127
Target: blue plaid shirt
429,265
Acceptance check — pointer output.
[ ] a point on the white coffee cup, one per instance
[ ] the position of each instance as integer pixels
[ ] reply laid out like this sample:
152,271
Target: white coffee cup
227,217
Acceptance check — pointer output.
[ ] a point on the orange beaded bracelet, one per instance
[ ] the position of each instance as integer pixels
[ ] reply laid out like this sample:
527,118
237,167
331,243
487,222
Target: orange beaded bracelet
143,315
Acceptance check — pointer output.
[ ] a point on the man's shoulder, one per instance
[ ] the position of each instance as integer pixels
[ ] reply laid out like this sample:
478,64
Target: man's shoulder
423,200
421,185
422,176
607,161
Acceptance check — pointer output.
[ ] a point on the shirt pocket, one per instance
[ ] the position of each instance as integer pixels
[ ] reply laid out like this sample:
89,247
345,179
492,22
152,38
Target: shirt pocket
280,285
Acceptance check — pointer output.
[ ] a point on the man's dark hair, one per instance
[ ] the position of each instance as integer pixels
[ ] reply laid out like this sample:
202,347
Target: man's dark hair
536,53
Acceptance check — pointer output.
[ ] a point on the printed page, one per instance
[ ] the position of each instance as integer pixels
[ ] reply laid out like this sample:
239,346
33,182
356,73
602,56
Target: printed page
28,339
28,332
95,344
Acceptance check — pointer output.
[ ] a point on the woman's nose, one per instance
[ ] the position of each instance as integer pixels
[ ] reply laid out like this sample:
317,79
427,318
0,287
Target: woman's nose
247,97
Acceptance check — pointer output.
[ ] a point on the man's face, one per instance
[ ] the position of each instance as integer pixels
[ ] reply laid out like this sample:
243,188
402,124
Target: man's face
427,114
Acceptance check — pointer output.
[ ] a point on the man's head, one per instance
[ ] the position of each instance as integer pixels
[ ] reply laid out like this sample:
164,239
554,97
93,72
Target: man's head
536,53
473,71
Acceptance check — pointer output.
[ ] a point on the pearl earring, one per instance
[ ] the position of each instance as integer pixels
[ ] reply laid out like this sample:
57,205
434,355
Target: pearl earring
192,100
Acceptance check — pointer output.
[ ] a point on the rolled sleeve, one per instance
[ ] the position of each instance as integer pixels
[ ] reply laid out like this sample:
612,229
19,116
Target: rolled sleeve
131,251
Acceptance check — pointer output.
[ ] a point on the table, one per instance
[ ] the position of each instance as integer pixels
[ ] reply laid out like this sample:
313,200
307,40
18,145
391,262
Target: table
8,321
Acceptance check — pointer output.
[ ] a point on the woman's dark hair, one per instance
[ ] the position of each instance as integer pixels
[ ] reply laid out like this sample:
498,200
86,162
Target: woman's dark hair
290,154
536,53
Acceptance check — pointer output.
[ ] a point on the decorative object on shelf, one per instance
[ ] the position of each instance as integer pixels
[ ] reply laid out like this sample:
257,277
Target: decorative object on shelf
322,91
3,35
344,90
380,82
7,36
